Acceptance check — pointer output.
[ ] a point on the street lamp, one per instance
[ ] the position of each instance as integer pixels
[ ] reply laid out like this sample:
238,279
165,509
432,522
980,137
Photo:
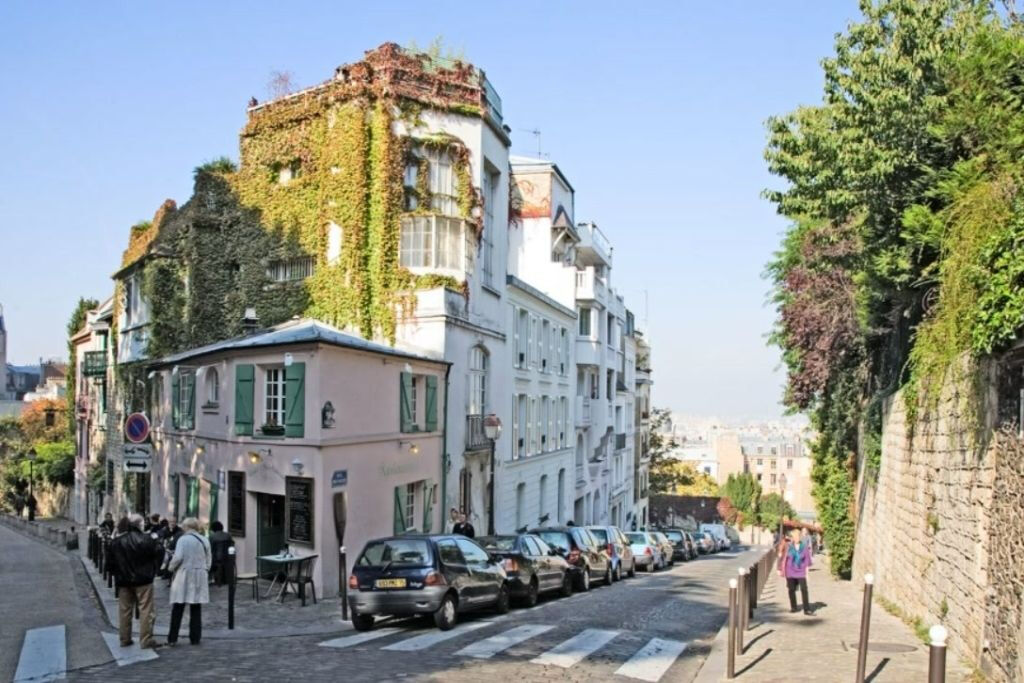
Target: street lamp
31,455
492,430
782,495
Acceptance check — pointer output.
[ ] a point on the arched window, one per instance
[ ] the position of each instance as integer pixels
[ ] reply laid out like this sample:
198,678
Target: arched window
479,363
212,386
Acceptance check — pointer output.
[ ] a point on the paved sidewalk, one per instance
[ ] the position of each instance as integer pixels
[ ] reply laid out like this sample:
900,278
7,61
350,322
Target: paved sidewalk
267,619
782,646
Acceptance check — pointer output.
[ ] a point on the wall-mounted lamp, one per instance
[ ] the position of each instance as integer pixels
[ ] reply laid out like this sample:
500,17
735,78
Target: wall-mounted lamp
413,447
181,444
255,457
200,450
297,466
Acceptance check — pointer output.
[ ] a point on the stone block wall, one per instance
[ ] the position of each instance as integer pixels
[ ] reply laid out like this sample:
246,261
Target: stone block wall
941,526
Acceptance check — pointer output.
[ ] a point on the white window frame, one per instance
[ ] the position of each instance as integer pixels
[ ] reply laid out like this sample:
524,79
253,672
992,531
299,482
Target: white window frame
212,381
291,269
274,401
410,505
585,315
478,369
442,246
522,338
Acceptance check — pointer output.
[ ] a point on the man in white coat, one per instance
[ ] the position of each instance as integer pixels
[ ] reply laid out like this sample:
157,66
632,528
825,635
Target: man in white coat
191,583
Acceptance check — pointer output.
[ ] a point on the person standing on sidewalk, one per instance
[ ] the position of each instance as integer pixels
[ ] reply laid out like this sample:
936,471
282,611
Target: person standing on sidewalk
191,583
794,560
132,559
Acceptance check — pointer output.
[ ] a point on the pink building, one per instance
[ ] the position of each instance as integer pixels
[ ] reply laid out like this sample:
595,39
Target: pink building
270,433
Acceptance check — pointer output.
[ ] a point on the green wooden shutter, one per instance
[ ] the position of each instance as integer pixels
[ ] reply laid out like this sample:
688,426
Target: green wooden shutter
214,489
190,402
428,505
177,495
244,381
295,399
405,403
192,505
399,526
431,403
175,402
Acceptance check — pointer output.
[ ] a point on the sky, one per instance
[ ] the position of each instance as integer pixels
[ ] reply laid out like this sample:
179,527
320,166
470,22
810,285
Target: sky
654,111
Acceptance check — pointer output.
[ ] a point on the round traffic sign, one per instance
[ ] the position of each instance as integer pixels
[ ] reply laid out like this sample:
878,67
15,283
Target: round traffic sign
136,427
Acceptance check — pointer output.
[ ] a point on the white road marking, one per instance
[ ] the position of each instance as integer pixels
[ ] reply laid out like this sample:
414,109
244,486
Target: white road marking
487,648
44,655
652,661
356,639
434,637
570,652
132,654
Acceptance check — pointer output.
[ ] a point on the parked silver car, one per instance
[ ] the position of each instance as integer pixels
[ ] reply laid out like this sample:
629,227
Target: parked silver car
647,551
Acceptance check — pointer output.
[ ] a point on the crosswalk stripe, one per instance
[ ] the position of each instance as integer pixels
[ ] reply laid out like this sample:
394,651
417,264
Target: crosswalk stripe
349,641
433,638
132,654
652,661
570,652
487,648
44,655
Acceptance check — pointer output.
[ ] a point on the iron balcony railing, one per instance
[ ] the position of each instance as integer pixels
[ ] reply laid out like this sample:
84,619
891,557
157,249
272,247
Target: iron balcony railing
476,438
94,363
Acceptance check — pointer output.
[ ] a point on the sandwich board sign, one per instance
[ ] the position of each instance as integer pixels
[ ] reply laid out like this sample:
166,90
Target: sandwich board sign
138,457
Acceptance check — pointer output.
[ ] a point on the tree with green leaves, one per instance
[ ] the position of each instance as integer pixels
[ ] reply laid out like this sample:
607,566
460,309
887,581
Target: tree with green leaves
743,492
666,474
774,509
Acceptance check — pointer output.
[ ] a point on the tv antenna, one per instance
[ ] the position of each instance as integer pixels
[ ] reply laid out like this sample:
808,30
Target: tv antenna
535,133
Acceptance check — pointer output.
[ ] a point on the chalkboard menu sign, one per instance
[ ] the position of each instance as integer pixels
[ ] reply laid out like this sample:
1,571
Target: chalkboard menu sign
236,503
299,506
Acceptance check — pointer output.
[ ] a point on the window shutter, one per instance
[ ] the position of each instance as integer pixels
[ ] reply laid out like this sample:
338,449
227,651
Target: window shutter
190,402
295,399
175,402
399,526
244,380
428,505
431,403
192,505
214,490
405,403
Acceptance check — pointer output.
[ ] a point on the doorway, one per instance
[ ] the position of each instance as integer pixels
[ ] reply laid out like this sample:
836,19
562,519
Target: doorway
270,538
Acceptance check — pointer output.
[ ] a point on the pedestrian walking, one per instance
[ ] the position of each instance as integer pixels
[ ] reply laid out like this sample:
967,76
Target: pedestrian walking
107,525
31,504
191,583
464,528
131,557
453,519
794,561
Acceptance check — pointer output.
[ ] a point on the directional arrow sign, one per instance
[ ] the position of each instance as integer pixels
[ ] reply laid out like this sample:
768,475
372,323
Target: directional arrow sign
131,465
138,457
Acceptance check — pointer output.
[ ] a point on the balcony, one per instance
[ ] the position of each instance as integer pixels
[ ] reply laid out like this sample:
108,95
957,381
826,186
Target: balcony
588,352
594,248
583,417
620,441
476,438
94,364
589,287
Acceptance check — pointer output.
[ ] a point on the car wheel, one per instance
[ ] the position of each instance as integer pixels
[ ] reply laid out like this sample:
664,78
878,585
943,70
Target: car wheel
445,616
532,593
502,606
632,570
362,622
608,576
618,572
566,589
584,580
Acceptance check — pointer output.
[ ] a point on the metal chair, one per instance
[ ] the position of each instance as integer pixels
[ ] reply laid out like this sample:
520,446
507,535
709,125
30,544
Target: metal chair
254,578
300,574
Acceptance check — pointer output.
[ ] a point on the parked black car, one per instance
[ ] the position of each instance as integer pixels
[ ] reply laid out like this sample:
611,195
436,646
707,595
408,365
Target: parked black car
587,559
680,547
617,547
425,574
532,566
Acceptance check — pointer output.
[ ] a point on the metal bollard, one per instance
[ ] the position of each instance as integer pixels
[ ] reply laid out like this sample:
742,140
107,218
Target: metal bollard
865,624
731,661
937,654
751,597
343,584
756,584
232,582
740,597
63,536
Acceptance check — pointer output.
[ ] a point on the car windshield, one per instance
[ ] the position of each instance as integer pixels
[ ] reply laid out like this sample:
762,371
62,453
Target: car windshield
498,542
398,552
674,535
556,539
698,536
600,534
637,538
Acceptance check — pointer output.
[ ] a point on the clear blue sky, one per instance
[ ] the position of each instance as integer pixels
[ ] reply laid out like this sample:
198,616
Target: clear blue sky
656,116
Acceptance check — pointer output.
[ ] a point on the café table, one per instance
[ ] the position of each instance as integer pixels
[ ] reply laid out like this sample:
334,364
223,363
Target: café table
284,565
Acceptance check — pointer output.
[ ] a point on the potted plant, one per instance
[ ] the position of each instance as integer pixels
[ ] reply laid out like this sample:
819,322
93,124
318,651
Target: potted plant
272,428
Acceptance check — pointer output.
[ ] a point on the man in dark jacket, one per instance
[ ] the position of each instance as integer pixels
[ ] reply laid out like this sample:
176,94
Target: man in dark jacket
463,527
220,541
132,558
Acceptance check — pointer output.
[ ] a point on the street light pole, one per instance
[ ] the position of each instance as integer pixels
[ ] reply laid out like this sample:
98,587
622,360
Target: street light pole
492,430
782,495
31,484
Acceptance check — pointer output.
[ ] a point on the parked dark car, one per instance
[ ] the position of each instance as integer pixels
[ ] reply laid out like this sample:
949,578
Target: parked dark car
587,560
616,546
667,548
692,545
425,574
531,565
680,549
705,544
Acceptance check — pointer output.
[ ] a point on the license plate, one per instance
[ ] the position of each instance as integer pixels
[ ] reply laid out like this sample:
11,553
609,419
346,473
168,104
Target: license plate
389,583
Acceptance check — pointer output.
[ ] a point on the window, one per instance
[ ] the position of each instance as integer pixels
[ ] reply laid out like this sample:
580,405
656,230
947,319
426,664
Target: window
560,495
288,172
186,396
563,435
759,475
760,462
584,322
414,410
563,354
774,462
611,330
542,345
534,427
465,487
449,553
789,464
522,337
432,242
490,188
543,495
477,381
410,506
212,387
274,386
522,425
334,239
542,423
473,553
773,480
156,398
290,270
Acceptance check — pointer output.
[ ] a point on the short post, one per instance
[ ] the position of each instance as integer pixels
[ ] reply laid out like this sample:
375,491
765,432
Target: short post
232,573
755,583
865,624
731,662
343,583
740,611
937,654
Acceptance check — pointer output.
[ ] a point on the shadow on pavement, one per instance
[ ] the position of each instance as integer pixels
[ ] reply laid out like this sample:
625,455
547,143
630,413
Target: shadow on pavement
748,645
877,670
753,663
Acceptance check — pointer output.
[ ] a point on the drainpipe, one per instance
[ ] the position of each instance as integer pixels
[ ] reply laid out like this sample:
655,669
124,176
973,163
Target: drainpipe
444,453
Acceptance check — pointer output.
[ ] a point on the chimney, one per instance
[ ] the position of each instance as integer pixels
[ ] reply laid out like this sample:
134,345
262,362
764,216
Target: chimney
250,323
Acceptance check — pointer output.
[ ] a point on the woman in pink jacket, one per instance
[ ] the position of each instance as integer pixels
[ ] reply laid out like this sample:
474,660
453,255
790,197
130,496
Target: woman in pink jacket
794,560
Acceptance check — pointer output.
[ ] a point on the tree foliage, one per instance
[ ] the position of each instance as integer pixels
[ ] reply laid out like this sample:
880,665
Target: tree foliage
774,508
743,492
666,474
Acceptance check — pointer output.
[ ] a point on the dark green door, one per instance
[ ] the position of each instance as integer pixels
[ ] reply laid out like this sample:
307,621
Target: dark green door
270,530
